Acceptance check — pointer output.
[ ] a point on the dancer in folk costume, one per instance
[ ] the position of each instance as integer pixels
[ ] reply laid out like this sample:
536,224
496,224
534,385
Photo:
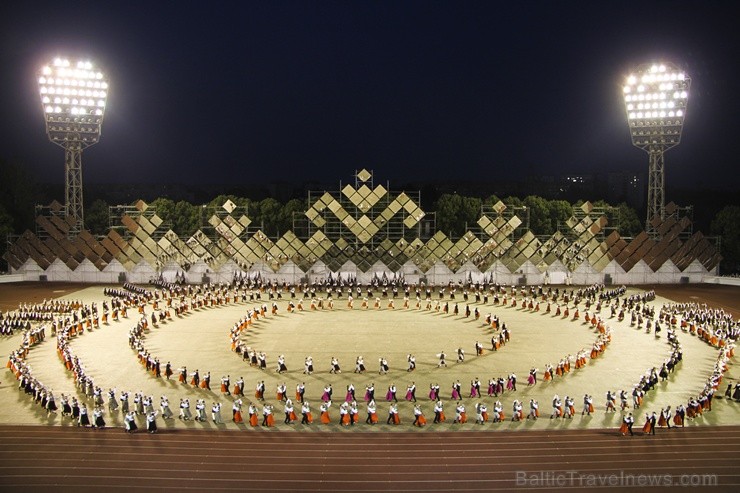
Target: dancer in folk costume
627,424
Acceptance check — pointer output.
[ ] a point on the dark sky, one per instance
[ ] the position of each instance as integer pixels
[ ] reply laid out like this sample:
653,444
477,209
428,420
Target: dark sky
237,92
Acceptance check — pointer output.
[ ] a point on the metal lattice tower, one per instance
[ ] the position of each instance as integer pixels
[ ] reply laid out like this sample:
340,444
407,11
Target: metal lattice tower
655,98
73,98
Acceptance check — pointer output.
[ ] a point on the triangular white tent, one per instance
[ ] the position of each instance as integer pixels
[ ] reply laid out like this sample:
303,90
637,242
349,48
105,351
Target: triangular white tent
111,273
640,273
58,271
85,272
470,272
348,270
142,273
30,270
696,272
616,273
557,272
225,272
585,274
498,273
317,272
410,272
439,274
668,273
531,273
289,272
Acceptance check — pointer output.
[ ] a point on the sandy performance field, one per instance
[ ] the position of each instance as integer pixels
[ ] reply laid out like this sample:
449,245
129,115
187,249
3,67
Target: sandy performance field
200,340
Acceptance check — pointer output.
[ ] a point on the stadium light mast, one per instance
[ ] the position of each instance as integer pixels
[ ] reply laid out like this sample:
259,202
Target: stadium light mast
73,97
655,98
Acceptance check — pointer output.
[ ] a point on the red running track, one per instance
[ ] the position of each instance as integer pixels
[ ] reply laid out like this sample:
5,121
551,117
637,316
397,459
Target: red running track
36,458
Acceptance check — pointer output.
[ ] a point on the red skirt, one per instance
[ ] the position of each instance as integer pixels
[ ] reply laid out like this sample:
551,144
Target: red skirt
253,421
624,428
422,420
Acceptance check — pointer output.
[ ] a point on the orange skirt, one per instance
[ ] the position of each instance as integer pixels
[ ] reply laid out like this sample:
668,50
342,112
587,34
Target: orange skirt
292,416
397,419
373,418
646,427
590,408
485,417
463,417
325,418
422,420
309,417
253,421
442,416
238,417
270,420
345,419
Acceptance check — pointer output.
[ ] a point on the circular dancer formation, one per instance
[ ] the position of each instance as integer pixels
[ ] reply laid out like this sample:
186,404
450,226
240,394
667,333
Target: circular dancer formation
324,319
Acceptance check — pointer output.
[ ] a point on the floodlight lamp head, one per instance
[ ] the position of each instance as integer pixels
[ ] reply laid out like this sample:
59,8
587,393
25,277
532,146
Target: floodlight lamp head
73,98
655,97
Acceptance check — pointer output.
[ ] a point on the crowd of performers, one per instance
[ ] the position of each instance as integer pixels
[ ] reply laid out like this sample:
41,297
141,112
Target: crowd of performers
70,319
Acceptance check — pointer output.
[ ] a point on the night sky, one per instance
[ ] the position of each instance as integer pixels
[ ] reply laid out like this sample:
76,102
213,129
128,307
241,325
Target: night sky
245,92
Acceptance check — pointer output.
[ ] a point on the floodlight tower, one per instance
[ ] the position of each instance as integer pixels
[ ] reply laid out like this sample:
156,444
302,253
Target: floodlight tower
655,97
73,96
